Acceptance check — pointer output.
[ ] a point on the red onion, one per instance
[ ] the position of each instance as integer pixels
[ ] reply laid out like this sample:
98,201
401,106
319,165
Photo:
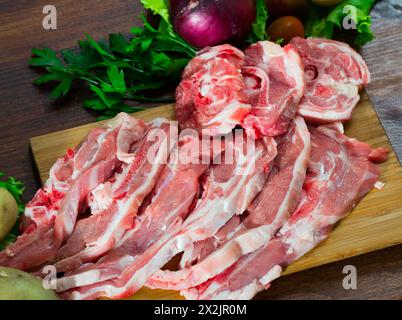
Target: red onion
210,22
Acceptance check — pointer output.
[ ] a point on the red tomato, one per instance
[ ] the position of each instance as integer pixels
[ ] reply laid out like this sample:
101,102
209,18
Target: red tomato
285,28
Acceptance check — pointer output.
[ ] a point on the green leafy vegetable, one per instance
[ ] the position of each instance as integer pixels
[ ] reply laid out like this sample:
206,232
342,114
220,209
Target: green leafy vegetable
120,69
159,7
259,27
16,188
322,22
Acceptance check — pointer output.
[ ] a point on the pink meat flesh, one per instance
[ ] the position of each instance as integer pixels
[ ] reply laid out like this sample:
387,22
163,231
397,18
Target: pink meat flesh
275,84
213,100
283,185
170,201
225,51
265,215
334,73
51,215
228,190
97,234
340,173
244,190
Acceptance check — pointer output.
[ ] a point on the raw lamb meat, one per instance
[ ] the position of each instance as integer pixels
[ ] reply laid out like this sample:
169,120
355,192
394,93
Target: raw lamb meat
50,216
211,97
275,84
334,73
98,233
239,204
266,214
228,190
171,200
204,248
225,51
340,173
282,185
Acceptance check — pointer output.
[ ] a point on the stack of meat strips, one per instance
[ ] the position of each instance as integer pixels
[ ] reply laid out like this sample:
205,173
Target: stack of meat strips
110,219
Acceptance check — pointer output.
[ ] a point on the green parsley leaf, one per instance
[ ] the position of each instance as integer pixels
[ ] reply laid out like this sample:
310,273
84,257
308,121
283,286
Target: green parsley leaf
259,27
62,89
121,68
159,7
117,79
322,22
45,58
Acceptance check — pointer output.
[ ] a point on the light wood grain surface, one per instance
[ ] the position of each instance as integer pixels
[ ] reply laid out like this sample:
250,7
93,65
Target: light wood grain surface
376,223
26,111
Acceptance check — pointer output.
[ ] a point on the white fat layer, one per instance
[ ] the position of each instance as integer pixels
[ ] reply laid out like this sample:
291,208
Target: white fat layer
348,89
299,168
307,111
102,197
99,141
271,50
213,52
125,207
211,212
247,292
157,122
93,276
339,126
271,275
225,120
69,220
291,60
293,70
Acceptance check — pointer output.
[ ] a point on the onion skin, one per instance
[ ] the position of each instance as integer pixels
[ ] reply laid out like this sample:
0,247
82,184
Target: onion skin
209,22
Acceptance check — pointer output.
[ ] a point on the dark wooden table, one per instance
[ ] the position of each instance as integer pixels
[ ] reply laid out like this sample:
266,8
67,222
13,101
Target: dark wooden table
26,111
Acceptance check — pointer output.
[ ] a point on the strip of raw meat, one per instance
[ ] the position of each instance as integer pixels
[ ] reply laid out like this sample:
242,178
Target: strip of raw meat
283,185
50,216
228,190
213,99
204,248
171,200
340,173
265,215
275,84
334,73
224,51
98,233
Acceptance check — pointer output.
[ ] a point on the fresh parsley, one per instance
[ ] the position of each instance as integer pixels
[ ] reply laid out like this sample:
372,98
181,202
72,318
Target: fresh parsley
121,69
16,188
259,27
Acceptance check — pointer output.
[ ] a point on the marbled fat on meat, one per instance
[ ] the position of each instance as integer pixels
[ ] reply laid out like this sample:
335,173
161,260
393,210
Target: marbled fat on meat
334,74
51,215
337,164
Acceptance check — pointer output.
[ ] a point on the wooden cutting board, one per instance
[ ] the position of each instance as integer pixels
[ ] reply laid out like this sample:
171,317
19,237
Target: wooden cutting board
376,223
